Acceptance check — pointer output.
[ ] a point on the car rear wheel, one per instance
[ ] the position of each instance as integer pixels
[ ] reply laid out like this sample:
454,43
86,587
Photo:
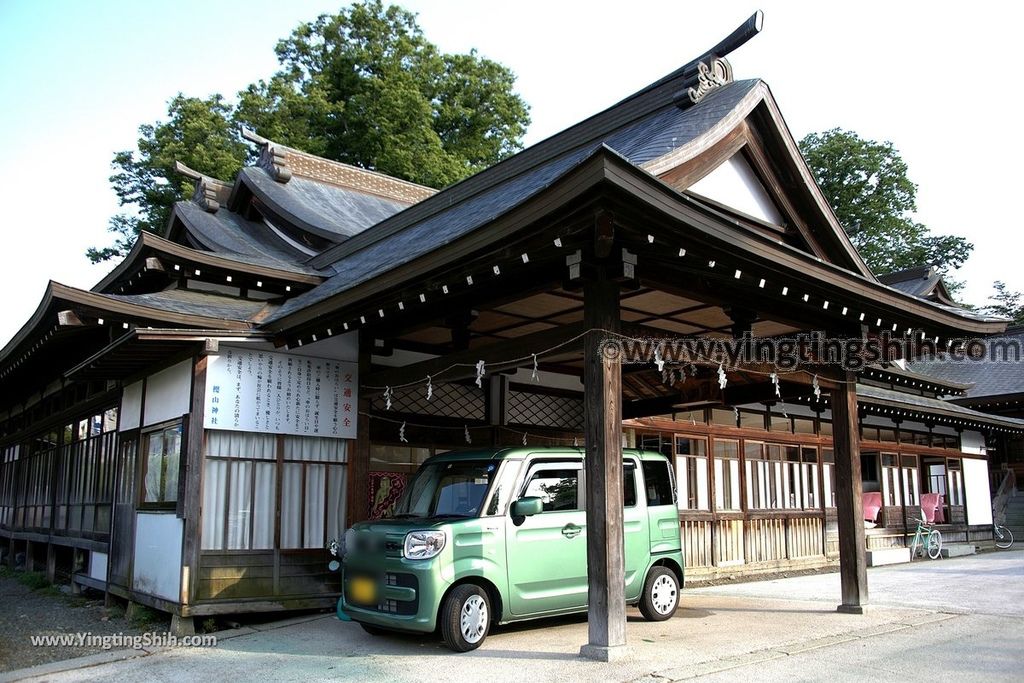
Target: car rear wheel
661,595
465,618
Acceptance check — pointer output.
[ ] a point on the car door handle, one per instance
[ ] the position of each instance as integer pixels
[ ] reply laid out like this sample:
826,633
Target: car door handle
570,530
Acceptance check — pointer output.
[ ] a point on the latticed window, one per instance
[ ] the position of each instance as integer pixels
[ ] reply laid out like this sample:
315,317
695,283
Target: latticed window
448,400
545,410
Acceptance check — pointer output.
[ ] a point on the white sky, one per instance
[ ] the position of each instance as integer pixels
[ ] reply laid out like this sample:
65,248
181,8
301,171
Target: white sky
938,80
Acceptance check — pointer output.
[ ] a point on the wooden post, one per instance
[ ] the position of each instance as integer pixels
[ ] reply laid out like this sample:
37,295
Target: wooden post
51,563
190,504
603,437
359,460
849,487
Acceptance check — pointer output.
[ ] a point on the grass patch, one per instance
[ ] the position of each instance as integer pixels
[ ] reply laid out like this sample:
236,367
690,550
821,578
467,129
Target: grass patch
143,616
32,580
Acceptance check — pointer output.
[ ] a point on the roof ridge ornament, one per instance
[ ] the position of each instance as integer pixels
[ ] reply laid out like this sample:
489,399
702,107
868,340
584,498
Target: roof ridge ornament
273,157
711,75
209,192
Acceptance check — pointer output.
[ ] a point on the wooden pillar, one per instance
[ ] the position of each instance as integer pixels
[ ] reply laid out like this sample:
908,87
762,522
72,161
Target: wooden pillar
359,460
603,438
190,491
849,488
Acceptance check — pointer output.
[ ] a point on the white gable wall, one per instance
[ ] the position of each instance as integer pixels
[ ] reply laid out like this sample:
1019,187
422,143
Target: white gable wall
735,184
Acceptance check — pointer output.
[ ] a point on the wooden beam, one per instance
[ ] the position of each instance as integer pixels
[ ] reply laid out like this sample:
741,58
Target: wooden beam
606,615
849,489
69,319
189,507
493,355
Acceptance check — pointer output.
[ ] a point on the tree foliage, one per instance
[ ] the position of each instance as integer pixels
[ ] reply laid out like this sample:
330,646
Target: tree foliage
1007,304
363,86
867,185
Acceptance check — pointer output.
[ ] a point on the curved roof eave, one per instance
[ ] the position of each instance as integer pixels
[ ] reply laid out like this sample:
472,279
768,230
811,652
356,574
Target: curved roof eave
660,196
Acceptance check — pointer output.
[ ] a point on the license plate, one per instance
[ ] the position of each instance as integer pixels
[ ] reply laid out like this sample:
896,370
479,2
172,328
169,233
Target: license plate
362,590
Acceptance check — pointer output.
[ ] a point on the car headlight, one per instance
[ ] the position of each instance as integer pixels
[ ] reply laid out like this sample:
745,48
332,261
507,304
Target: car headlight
348,541
422,545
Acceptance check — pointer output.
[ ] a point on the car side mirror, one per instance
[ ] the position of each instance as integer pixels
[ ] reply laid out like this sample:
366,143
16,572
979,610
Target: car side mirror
527,506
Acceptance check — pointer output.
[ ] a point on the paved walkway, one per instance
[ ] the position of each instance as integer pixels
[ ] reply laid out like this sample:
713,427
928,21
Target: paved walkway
958,616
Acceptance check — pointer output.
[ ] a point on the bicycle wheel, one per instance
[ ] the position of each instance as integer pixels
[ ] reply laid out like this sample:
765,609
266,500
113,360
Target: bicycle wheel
1004,539
934,545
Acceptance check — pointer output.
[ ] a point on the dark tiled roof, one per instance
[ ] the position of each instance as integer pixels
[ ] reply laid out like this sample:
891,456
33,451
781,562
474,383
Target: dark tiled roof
643,140
229,235
997,375
196,303
330,211
870,394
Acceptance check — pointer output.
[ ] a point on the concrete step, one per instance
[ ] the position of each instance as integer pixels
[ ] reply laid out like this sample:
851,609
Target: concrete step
958,549
882,556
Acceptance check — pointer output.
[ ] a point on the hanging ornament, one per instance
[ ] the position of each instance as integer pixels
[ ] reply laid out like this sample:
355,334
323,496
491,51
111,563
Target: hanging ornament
722,380
430,388
388,393
480,374
736,413
783,407
693,370
401,434
534,376
465,431
817,388
775,381
524,438
658,360
575,442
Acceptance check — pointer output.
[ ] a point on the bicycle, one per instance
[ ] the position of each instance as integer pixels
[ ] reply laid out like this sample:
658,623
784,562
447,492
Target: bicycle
1002,536
927,539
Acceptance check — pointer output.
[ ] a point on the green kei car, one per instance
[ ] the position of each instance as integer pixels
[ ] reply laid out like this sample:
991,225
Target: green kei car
494,536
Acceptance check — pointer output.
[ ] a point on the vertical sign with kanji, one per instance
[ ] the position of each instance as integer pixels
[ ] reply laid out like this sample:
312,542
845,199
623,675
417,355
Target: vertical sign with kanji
280,393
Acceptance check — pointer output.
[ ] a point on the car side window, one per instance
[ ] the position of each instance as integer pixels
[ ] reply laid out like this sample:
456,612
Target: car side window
557,486
658,483
628,483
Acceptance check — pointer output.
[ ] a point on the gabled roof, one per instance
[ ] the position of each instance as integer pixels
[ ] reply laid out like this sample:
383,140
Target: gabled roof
924,282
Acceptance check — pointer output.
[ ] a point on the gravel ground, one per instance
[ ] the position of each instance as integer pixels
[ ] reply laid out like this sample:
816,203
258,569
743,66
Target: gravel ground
50,610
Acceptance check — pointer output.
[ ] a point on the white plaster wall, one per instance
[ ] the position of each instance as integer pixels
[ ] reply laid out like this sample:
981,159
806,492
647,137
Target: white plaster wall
979,497
736,185
157,568
131,407
168,393
973,442
98,566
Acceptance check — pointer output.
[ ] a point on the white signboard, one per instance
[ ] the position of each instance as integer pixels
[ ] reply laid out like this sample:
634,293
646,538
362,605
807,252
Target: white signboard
263,391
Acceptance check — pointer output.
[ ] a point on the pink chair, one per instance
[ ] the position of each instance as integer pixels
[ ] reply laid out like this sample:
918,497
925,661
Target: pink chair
872,503
931,508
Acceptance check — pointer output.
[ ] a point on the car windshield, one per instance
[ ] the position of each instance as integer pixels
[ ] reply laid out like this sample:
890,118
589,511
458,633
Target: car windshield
447,489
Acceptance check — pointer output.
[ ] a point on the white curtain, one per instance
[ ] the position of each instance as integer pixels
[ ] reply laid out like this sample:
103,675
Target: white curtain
314,513
240,505
264,506
226,444
336,498
214,502
291,505
315,449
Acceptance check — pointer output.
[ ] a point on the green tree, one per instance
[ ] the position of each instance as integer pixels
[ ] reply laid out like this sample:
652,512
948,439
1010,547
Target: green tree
1007,304
867,185
200,134
363,86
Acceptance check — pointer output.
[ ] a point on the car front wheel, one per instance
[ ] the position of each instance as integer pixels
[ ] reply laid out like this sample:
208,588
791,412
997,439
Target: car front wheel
661,595
465,618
